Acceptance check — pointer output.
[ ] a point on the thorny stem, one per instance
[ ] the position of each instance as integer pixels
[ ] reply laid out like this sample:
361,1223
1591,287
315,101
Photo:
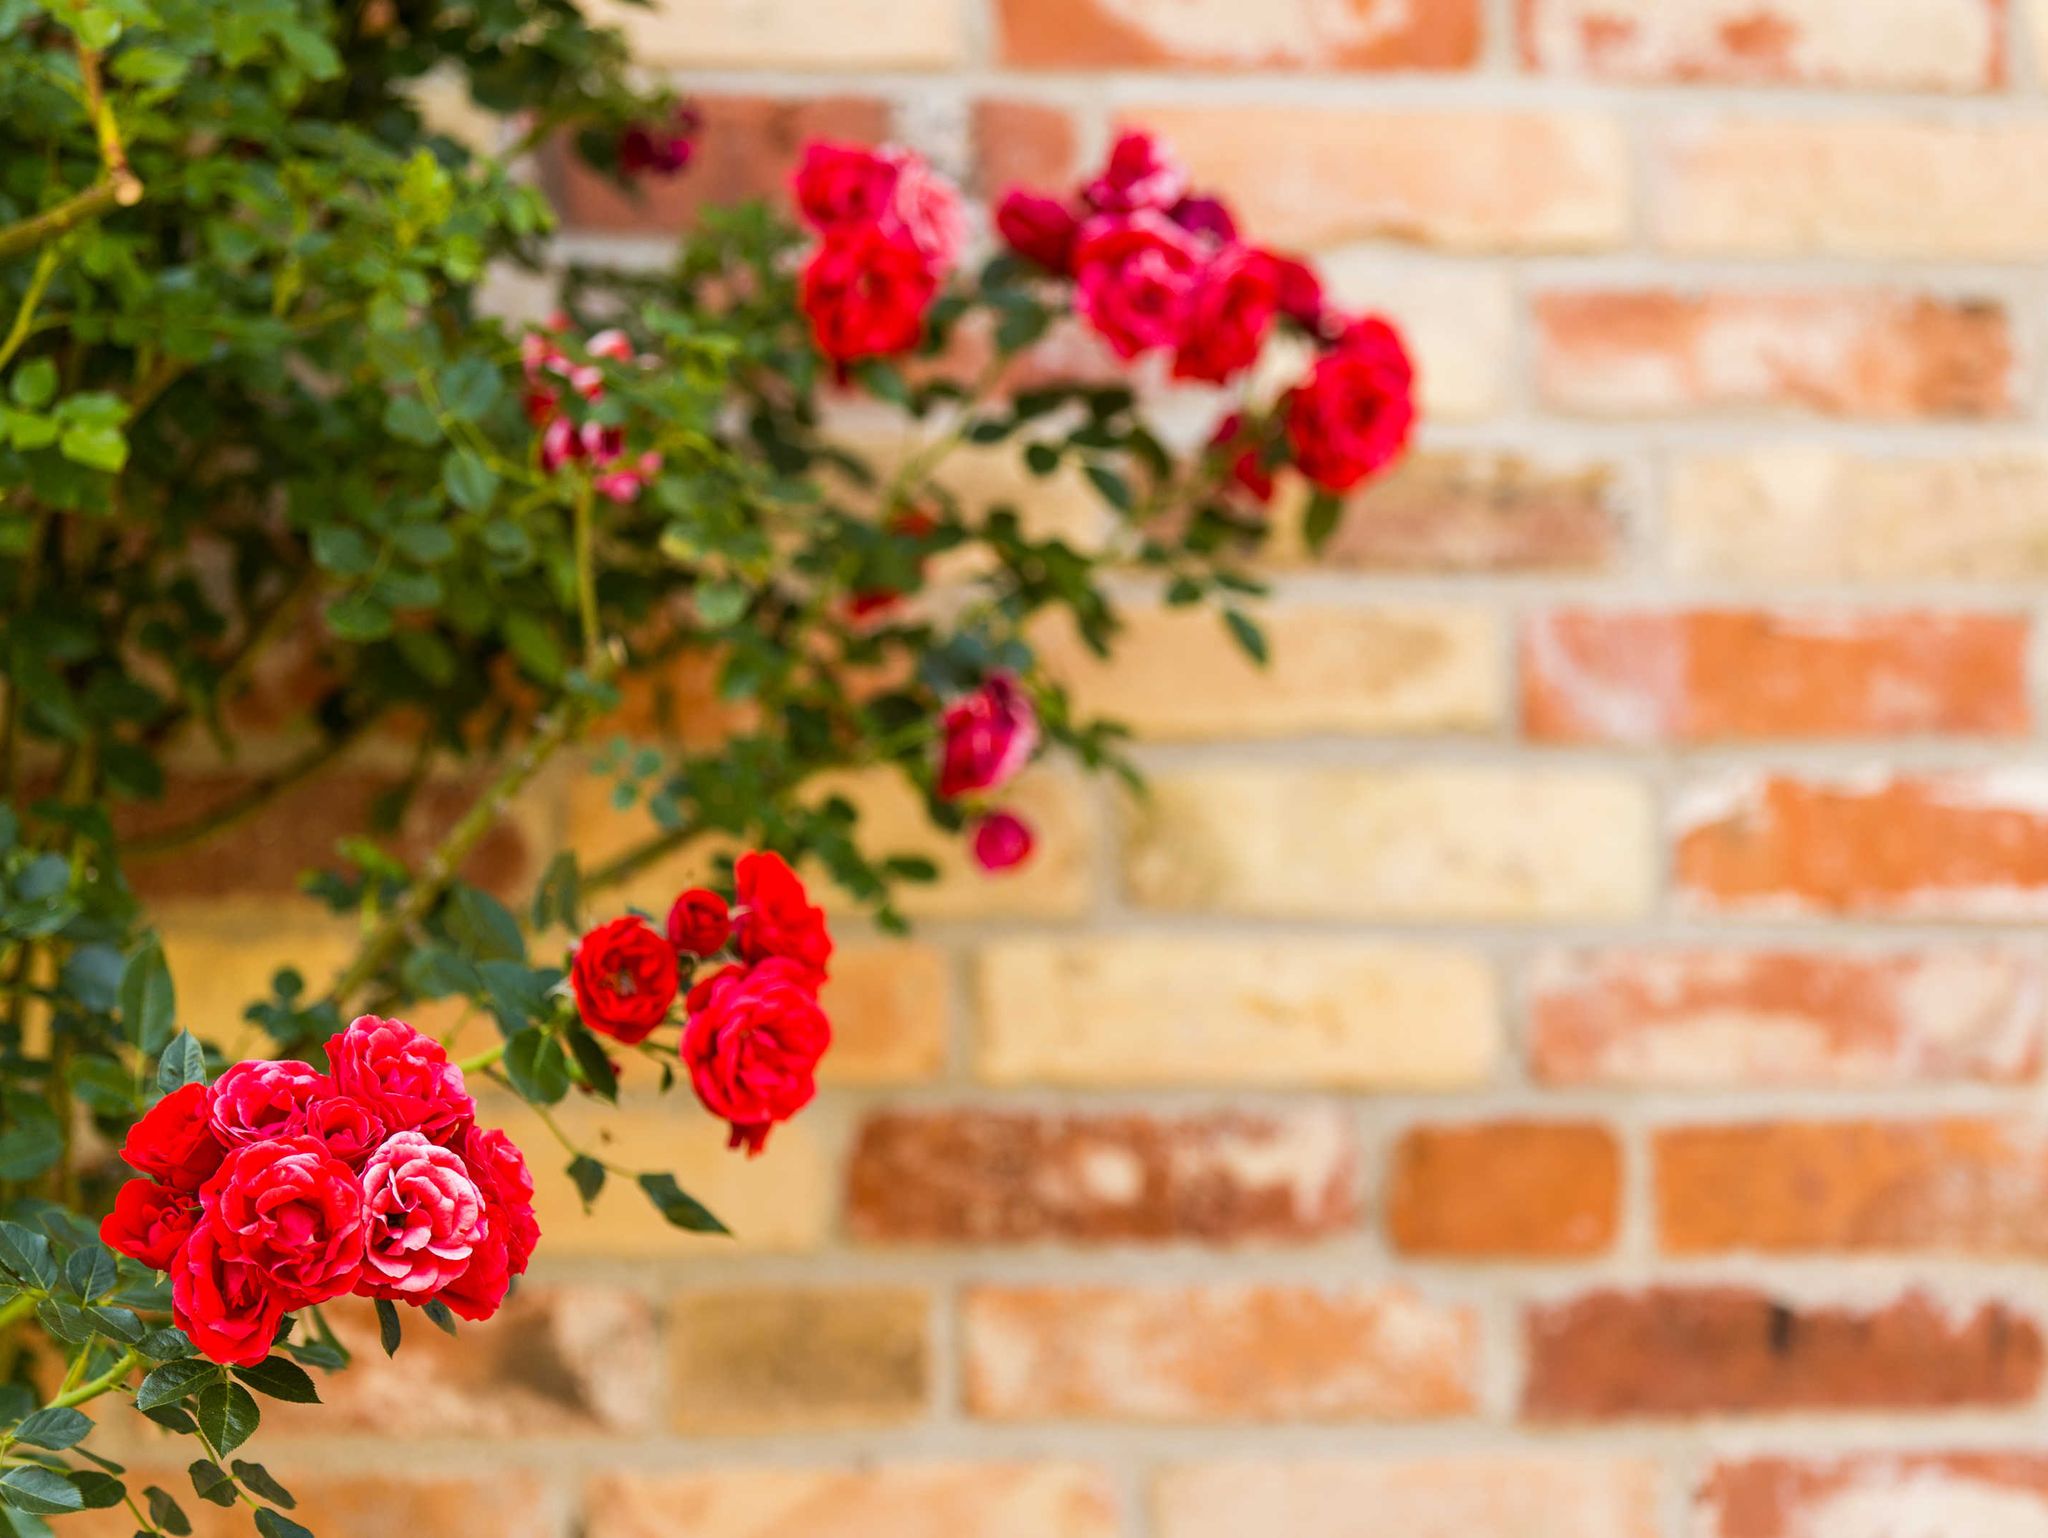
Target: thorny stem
118,186
24,317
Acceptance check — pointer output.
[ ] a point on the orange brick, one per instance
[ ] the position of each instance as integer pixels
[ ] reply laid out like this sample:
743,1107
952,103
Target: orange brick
1914,44
748,149
888,1003
764,1359
1537,1189
1219,1353
1715,1017
1024,144
1237,34
1970,846
1702,675
1857,353
1687,1351
1479,180
1020,1500
1974,1186
1868,1493
506,1503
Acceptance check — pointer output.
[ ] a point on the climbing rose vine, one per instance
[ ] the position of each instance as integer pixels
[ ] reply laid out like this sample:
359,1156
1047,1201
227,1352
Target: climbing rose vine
295,515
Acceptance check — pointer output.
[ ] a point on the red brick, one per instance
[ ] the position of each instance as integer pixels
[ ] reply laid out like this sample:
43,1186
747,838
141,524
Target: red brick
1237,34
1010,1177
503,1504
1710,1350
1474,513
1024,144
1977,1187
1865,1495
1969,846
1863,353
1703,675
1537,1189
1915,44
1720,1017
1217,1353
960,1500
748,149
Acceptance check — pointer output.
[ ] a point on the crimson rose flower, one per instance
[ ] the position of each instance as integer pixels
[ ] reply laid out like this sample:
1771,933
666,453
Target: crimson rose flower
1353,413
777,918
174,1140
989,736
500,1173
149,1223
425,1219
752,1046
866,292
265,1099
223,1300
402,1076
1247,468
1135,281
699,923
625,978
665,149
843,188
1228,316
350,1129
1038,228
1301,292
1207,217
1002,840
1141,173
295,1212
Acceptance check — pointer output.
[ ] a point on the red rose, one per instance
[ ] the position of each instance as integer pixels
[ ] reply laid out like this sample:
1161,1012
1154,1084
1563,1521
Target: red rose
350,1129
843,188
265,1099
777,919
1039,229
664,149
866,292
752,1046
1239,448
1135,278
425,1219
295,1212
1228,317
499,1170
1141,173
625,978
174,1140
149,1223
1301,292
222,1300
989,736
1353,413
699,923
402,1076
1002,840
1205,217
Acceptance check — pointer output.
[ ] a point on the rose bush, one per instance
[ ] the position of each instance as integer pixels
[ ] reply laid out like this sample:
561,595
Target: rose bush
282,497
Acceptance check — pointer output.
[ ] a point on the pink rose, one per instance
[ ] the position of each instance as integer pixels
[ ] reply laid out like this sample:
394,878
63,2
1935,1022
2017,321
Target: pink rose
295,1212
264,1099
1352,416
402,1076
1039,229
1002,840
989,736
1135,281
425,1219
1228,317
1141,174
752,1046
223,1300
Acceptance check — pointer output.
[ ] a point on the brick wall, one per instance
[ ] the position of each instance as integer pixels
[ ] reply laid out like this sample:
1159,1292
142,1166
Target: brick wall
1560,1055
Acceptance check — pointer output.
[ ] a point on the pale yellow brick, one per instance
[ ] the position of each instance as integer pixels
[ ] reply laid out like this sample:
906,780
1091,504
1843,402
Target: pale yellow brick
843,35
1178,674
1156,1010
769,1359
888,1003
1908,186
1448,842
1478,180
887,1500
1806,515
1458,323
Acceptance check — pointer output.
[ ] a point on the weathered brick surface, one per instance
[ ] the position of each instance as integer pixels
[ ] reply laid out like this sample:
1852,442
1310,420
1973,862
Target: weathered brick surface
1012,1177
1236,34
1023,144
1678,1350
1458,323
1221,1353
1700,1018
794,34
1869,353
1536,1189
506,1503
1868,1493
764,1360
1301,1012
888,1003
1048,1500
1703,675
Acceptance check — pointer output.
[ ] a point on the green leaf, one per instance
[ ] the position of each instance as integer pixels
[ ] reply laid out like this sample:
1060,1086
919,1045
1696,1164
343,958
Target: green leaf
488,926
1116,491
173,1381
212,1482
40,1492
258,1480
389,1332
359,616
537,1067
594,1064
90,1272
166,1513
341,549
184,1062
469,482
228,1415
98,1490
1247,635
1321,521
442,1318
678,1207
33,1142
97,448
34,384
280,1378
720,604
410,418
271,1525
56,1428
25,1255
588,1176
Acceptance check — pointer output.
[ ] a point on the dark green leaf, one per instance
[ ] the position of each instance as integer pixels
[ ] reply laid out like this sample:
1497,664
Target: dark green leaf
388,1330
39,1491
227,1415
271,1525
594,1063
588,1176
280,1378
470,482
537,1067
173,1381
1116,491
258,1481
438,1312
212,1482
56,1428
678,1207
1321,521
90,1272
183,1062
166,1513
1247,635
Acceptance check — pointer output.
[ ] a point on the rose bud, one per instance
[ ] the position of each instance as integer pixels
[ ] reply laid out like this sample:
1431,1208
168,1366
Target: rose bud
1002,840
989,736
699,923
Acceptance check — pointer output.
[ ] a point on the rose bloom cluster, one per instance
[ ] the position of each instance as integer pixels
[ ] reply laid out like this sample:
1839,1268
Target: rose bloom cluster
279,1187
985,738
550,372
889,231
753,1031
1159,268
